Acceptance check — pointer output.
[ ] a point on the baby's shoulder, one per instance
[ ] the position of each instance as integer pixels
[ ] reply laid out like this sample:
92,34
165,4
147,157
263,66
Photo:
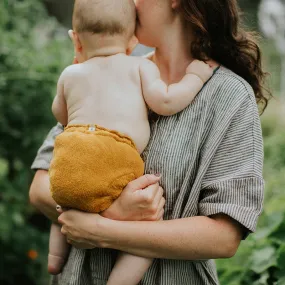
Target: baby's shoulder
73,70
136,60
145,63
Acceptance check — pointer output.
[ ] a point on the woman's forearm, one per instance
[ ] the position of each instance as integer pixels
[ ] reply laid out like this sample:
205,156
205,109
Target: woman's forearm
194,238
40,195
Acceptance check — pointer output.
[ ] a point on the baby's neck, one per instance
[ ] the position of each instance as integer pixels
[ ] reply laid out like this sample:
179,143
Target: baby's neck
101,46
104,52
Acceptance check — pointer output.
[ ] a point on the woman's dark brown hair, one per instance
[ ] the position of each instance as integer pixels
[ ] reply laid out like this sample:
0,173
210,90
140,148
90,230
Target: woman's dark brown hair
220,36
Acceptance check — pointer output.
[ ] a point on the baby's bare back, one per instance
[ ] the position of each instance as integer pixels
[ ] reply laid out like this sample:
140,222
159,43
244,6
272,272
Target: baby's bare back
107,91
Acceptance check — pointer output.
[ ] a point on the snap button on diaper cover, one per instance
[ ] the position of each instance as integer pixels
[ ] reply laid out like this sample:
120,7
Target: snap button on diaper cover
91,128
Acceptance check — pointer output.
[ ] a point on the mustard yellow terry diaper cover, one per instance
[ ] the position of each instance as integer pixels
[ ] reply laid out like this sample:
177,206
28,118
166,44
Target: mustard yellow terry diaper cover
91,166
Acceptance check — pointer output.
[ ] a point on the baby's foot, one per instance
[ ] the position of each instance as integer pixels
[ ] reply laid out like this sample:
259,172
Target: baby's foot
55,264
200,69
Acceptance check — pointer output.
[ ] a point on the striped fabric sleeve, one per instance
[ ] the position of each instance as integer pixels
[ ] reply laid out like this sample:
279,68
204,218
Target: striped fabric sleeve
233,184
44,155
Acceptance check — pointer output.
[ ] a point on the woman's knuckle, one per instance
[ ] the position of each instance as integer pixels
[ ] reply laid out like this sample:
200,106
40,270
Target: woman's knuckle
147,177
148,199
129,185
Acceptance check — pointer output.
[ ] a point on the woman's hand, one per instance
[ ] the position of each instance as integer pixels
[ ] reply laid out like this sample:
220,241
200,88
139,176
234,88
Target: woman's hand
141,200
77,225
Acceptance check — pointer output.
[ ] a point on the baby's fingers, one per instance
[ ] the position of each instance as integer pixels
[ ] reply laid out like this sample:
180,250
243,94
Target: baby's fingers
213,64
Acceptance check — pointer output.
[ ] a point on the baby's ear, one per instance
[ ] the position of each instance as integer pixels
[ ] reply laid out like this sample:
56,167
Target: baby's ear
70,34
76,42
77,46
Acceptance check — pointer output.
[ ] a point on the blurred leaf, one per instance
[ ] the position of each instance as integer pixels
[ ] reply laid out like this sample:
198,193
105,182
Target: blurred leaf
271,223
281,264
263,280
34,50
263,259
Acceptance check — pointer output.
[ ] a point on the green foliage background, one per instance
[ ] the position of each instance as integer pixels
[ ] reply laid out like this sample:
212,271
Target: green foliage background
33,51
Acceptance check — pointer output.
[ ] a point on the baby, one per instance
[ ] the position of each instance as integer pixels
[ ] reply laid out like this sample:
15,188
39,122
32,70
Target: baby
103,101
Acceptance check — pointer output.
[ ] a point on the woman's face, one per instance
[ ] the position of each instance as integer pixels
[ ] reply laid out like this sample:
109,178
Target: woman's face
152,19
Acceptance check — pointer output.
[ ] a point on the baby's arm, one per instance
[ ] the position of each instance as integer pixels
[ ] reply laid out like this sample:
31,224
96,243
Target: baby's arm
169,100
59,107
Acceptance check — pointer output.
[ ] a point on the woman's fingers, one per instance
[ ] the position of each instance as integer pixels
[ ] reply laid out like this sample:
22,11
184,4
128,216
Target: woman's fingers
159,211
143,182
161,204
158,200
158,196
152,202
148,195
160,215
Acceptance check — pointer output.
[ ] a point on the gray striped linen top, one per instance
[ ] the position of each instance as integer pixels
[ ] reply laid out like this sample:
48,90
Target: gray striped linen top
210,156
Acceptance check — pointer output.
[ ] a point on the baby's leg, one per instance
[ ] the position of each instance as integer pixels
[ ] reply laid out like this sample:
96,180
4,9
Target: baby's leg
58,250
129,269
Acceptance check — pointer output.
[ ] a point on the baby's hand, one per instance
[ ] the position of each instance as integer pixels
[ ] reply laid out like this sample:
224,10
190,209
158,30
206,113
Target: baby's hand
200,69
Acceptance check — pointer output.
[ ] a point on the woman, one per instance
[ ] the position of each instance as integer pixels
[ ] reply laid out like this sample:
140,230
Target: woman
209,157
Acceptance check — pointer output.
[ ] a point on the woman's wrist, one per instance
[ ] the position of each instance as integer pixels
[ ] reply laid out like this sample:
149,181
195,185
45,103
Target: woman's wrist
115,212
106,227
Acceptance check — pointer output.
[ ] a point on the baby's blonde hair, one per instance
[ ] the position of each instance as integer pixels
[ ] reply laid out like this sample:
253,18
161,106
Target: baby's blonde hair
110,17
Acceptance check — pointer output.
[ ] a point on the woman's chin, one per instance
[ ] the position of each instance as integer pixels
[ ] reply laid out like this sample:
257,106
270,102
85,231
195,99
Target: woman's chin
142,37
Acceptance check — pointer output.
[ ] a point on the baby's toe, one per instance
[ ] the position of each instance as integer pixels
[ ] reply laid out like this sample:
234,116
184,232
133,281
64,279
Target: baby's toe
55,264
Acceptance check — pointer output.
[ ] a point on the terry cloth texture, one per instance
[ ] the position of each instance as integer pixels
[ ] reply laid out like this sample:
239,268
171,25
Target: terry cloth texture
91,166
210,156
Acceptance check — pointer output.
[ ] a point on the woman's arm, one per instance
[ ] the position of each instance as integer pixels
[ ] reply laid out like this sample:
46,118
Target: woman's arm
142,199
194,238
191,238
40,196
